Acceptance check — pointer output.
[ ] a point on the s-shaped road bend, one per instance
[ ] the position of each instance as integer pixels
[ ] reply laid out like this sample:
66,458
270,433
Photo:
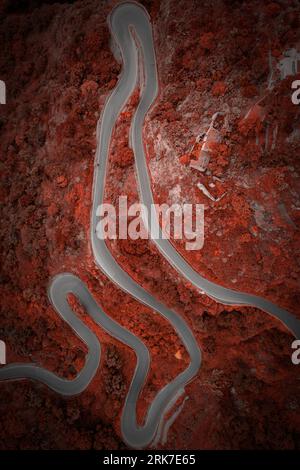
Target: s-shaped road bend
125,18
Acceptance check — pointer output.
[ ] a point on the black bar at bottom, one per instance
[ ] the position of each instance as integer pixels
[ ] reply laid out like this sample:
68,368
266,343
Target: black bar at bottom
136,459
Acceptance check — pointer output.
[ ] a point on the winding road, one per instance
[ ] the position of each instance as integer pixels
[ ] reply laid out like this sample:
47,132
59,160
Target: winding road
131,30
